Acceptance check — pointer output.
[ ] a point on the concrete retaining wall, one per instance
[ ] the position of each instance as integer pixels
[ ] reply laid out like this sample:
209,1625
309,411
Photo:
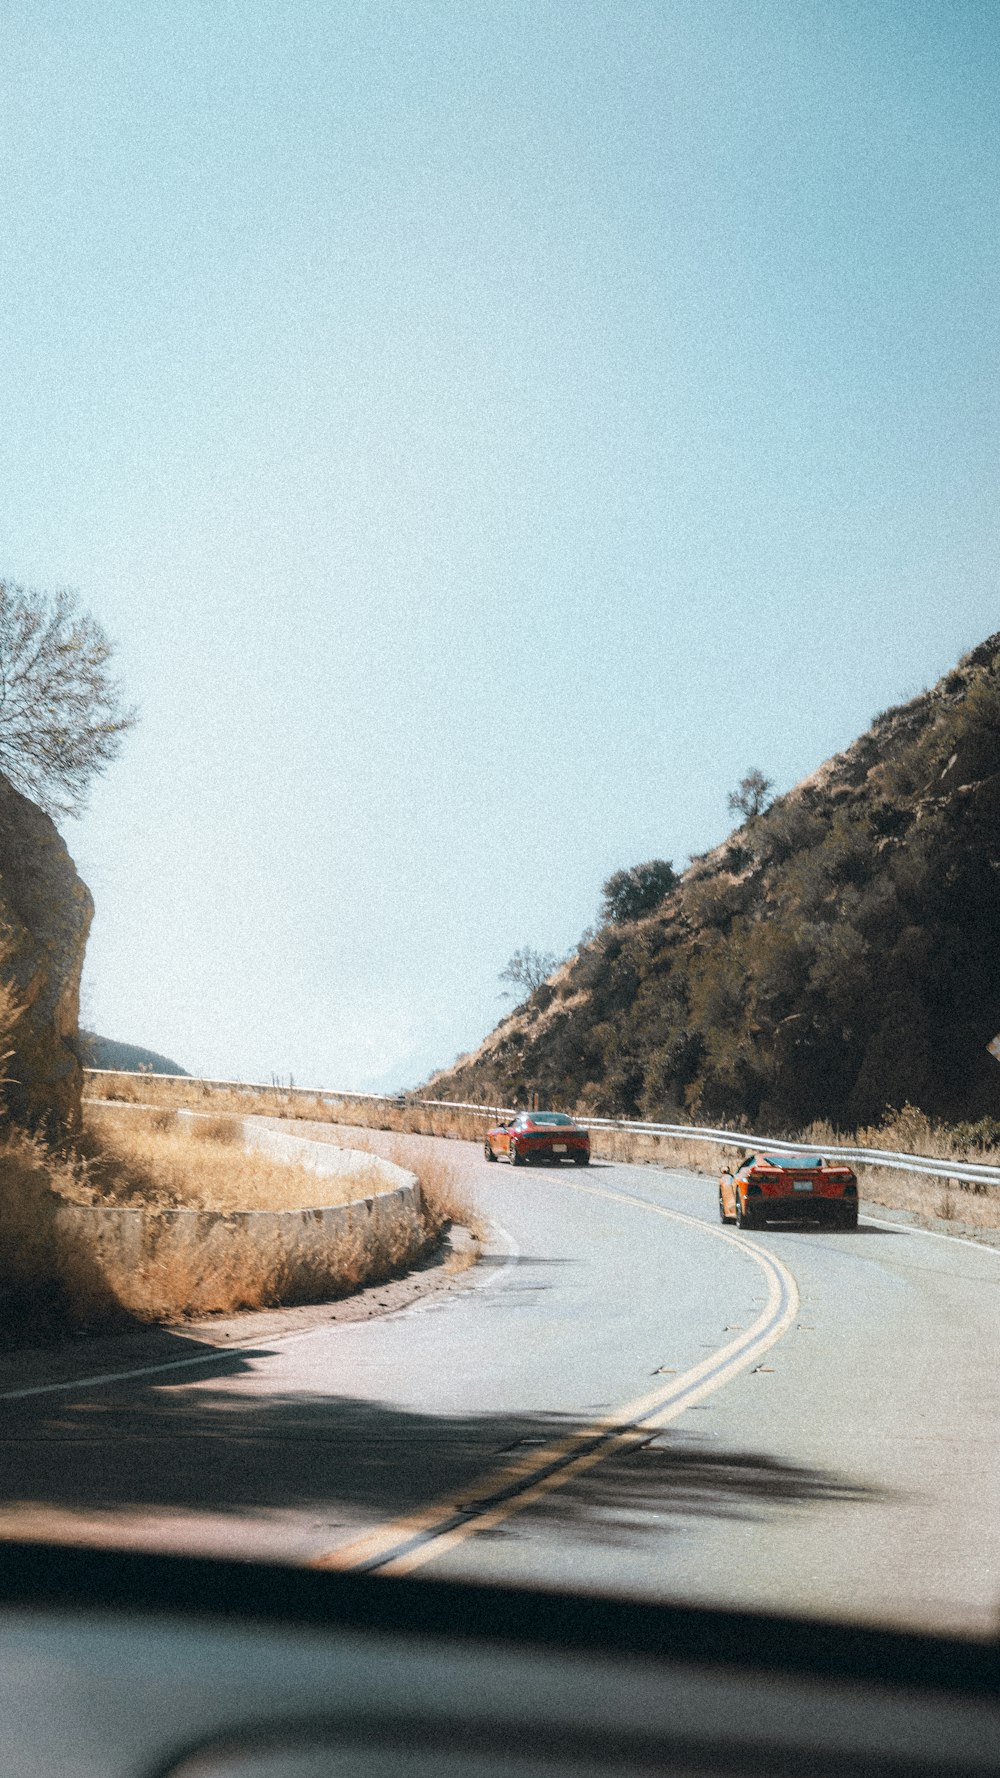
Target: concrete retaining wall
121,1239
125,1239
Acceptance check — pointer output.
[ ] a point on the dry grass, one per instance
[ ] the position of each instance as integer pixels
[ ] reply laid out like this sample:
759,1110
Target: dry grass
445,1199
154,1159
954,1200
63,1270
50,1280
182,1276
910,1131
372,1114
150,1152
444,1196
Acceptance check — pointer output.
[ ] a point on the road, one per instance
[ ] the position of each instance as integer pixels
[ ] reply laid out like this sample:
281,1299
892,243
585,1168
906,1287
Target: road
623,1396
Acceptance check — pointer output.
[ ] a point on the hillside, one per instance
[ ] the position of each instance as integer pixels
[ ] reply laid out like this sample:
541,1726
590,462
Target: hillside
836,954
107,1052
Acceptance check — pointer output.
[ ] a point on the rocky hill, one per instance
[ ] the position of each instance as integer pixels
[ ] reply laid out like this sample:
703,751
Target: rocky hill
837,954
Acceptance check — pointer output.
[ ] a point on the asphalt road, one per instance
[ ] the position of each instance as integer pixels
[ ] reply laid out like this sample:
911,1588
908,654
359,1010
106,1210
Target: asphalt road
623,1396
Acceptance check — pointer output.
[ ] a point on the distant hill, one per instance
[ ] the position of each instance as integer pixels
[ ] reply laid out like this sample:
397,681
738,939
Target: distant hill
105,1052
836,954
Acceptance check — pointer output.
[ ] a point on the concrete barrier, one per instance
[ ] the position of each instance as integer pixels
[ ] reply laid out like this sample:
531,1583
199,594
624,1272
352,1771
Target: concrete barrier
303,1242
123,1239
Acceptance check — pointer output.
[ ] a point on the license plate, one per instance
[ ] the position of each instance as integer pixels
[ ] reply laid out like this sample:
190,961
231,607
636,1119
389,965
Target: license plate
802,1185
558,1148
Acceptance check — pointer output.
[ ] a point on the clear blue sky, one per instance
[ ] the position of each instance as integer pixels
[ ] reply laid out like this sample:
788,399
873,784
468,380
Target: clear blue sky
486,430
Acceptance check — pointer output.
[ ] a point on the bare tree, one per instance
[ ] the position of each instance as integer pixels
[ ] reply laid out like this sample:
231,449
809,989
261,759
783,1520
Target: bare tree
751,795
528,969
62,717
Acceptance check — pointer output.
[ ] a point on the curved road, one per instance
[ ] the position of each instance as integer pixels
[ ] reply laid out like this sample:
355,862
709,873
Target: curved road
624,1396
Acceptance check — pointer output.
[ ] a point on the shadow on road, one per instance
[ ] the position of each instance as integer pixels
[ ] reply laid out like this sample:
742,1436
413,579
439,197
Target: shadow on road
159,1445
824,1229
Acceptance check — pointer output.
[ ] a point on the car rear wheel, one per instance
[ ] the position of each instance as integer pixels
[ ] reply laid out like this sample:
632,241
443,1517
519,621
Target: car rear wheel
848,1216
516,1160
745,1217
487,1150
581,1160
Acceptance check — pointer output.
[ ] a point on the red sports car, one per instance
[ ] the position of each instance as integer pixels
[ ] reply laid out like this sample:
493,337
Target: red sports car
539,1136
787,1188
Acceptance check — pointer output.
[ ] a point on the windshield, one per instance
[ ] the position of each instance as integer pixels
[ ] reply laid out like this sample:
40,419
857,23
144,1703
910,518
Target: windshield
525,480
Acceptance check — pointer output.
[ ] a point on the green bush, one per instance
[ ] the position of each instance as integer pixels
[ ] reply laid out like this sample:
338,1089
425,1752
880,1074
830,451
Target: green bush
629,894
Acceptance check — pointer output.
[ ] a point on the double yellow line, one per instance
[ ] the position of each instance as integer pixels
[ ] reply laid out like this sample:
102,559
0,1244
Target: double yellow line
407,1543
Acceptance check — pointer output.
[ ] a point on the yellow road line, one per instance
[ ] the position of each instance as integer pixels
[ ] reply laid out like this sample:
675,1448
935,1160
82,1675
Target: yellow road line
410,1541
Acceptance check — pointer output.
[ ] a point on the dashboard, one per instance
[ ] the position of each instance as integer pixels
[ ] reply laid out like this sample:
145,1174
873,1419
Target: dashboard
132,1666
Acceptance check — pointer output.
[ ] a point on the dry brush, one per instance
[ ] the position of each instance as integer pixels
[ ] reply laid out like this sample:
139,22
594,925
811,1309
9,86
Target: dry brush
63,1268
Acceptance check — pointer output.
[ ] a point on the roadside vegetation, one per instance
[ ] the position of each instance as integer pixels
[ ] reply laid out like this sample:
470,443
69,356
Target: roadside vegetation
138,1216
61,1271
446,1201
158,1160
404,1118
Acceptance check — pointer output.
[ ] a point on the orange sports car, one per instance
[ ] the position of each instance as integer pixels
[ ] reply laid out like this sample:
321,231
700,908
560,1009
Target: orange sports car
780,1188
538,1136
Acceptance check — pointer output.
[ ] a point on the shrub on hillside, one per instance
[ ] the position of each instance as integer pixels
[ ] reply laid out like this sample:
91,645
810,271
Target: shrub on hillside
751,794
527,970
629,894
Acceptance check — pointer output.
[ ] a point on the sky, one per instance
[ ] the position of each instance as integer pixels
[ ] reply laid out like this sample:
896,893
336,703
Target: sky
485,430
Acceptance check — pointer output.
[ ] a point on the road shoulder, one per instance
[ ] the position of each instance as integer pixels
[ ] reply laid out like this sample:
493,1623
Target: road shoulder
445,1273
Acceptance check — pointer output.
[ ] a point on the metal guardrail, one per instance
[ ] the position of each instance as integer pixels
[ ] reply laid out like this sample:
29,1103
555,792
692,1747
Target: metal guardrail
971,1172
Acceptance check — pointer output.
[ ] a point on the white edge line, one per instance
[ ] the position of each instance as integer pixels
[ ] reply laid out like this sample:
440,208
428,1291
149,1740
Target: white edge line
212,1355
513,1253
146,1370
911,1228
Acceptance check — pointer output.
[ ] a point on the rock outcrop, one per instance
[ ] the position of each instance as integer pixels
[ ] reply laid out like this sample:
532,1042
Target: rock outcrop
45,915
